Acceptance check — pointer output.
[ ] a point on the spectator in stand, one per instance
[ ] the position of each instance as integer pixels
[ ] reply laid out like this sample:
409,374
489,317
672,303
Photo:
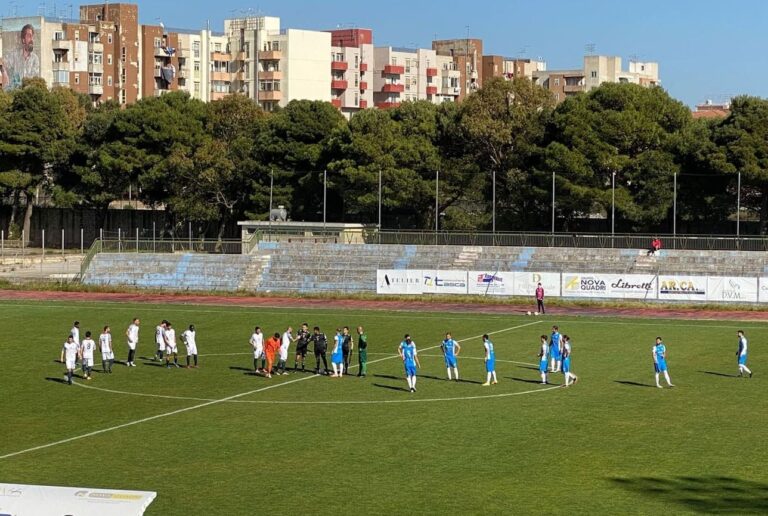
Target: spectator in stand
540,299
655,247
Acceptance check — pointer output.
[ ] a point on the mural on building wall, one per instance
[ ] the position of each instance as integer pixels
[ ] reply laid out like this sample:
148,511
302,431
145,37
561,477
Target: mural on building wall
21,44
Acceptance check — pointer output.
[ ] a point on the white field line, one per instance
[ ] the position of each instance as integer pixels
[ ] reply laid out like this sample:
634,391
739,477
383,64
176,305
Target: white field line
210,403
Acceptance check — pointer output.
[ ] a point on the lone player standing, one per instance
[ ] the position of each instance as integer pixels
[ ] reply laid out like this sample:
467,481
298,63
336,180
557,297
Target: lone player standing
69,353
410,357
107,353
490,362
257,344
451,350
362,352
660,362
540,299
742,355
132,334
189,337
567,362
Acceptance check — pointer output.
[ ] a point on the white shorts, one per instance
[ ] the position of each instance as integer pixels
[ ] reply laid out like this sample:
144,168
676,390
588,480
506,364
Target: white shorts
169,350
283,353
70,364
161,346
107,355
192,350
258,353
131,345
88,362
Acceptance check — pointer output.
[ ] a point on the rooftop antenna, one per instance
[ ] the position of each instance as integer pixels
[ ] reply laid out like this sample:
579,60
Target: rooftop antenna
590,49
523,51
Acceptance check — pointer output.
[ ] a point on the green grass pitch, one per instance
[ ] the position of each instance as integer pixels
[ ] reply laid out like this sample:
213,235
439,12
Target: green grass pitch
612,444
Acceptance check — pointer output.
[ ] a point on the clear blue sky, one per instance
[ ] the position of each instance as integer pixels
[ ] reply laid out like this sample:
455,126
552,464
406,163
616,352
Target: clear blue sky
706,48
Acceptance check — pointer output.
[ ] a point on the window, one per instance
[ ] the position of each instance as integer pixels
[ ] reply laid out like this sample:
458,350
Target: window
109,38
594,74
357,80
122,54
109,80
58,36
77,78
77,35
61,77
122,96
557,81
196,49
557,97
357,61
269,85
58,57
407,66
93,37
357,99
94,79
197,66
96,58
217,47
197,89
158,42
109,59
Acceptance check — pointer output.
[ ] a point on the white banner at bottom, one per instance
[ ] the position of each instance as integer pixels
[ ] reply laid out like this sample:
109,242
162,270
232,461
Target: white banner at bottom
24,499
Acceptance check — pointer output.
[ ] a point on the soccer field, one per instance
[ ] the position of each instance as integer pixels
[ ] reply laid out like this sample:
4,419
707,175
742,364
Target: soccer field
218,440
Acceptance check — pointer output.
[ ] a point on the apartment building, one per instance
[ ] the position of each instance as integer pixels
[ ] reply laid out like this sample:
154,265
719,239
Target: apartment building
467,55
511,68
352,58
597,70
410,74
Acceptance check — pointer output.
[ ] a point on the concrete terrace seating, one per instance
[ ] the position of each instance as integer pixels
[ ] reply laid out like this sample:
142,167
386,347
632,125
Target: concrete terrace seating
318,267
169,271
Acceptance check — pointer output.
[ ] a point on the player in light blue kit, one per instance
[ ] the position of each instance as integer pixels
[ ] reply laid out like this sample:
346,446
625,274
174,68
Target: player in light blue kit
410,356
451,350
660,362
543,351
490,362
741,354
555,351
567,362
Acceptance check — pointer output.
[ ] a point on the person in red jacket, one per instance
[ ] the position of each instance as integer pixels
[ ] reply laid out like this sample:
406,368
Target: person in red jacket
540,299
655,246
270,348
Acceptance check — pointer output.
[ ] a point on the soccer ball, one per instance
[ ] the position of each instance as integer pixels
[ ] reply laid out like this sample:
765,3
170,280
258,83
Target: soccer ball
536,314
529,313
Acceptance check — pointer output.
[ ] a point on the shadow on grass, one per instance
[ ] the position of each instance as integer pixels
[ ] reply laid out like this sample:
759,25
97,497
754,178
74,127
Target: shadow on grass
709,494
154,364
57,380
531,368
389,377
390,387
238,368
712,373
524,380
634,384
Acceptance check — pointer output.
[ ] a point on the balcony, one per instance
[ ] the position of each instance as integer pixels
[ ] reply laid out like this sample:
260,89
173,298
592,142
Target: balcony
363,86
431,90
274,75
393,88
160,52
95,67
387,105
363,104
363,67
96,89
270,95
62,66
241,56
218,95
450,90
339,66
271,55
158,72
221,76
221,56
183,53
339,85
62,45
336,103
394,70
97,48
573,88
431,72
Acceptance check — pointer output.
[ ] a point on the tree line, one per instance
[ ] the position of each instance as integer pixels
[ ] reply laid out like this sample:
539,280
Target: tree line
614,149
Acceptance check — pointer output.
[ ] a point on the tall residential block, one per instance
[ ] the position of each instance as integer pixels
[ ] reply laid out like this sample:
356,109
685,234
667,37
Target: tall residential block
352,70
467,55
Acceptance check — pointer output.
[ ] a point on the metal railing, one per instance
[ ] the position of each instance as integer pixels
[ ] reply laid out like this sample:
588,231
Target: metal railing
579,240
169,246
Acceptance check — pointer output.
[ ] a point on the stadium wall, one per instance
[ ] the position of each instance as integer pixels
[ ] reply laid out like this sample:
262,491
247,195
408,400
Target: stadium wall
707,276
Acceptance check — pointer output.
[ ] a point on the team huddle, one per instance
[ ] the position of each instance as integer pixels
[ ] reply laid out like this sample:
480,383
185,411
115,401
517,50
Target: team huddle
554,354
85,350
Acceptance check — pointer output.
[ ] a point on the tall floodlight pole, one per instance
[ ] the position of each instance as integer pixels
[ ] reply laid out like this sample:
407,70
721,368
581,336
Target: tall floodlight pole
271,190
613,206
437,201
553,203
674,208
379,199
494,201
325,197
738,208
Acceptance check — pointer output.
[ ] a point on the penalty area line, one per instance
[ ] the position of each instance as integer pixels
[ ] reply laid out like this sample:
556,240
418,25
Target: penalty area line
211,403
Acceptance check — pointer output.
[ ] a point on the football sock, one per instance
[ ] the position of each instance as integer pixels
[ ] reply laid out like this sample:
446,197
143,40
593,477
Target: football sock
494,377
187,360
456,372
195,359
449,373
543,377
666,377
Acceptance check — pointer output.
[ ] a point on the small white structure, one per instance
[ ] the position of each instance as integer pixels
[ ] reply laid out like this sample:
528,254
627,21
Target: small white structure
26,499
254,232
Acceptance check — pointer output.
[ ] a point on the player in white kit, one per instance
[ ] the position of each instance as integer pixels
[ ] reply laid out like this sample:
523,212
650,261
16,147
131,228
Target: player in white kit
284,345
189,338
132,336
75,332
107,352
257,344
171,347
87,350
160,340
69,353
